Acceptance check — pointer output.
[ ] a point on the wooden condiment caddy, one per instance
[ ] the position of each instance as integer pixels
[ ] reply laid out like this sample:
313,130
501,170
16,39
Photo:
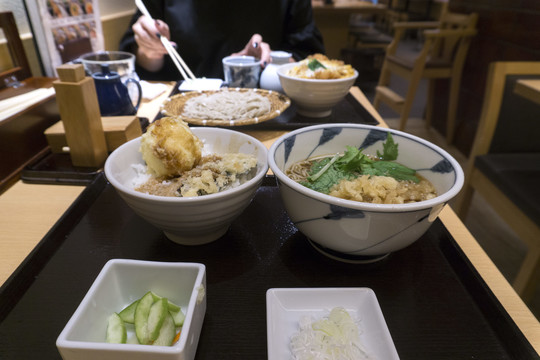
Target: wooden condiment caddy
88,136
117,129
79,109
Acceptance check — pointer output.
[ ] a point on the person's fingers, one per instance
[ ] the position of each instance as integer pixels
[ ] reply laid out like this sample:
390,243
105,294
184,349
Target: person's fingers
240,53
147,35
151,48
254,42
148,26
163,29
252,47
257,48
145,32
265,53
150,44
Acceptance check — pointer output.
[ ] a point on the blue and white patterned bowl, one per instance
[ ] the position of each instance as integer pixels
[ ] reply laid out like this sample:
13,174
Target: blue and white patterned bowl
356,231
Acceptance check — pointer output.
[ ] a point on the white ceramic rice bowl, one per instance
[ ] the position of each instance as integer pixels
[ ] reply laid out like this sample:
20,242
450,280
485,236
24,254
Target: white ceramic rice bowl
352,230
194,220
314,97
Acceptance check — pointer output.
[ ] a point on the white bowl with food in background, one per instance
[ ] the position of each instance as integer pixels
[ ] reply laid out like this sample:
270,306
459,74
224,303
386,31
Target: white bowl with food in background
314,97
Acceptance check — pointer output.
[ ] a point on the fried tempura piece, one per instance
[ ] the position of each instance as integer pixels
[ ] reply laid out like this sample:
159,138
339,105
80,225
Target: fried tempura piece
170,148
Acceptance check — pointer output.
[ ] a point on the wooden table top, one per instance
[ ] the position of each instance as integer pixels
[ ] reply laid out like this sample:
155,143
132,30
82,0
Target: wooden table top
357,6
529,89
28,211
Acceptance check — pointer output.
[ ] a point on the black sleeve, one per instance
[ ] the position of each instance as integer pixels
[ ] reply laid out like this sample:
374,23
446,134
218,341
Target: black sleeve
302,36
127,43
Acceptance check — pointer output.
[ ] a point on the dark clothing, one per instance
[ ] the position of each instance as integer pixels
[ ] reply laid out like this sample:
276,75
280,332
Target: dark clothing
208,30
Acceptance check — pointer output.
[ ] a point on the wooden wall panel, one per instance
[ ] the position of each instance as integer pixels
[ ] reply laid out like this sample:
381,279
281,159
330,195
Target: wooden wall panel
508,30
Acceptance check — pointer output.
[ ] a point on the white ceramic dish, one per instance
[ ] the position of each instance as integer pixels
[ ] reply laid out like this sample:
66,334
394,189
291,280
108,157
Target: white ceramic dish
285,307
200,84
121,282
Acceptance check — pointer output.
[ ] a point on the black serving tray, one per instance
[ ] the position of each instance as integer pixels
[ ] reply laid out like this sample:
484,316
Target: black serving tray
434,302
348,110
57,168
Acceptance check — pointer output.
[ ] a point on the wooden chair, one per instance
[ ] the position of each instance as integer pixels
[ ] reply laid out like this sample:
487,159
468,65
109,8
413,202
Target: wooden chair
369,36
21,134
374,31
21,67
504,164
442,56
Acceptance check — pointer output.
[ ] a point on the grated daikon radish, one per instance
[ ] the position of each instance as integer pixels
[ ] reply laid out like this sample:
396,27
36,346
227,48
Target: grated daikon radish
336,337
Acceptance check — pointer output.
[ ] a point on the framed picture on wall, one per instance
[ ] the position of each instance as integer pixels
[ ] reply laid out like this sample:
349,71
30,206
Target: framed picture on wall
64,30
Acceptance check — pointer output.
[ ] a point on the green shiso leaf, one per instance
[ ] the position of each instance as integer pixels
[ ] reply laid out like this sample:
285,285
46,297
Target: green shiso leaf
323,168
328,172
395,170
353,160
327,178
390,149
314,64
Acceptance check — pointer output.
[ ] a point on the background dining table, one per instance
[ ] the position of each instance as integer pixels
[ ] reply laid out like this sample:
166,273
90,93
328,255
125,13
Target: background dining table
28,211
529,89
332,19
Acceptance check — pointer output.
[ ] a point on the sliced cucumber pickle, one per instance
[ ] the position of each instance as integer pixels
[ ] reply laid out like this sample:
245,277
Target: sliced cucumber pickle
128,314
167,332
158,312
172,306
116,330
154,318
141,318
178,317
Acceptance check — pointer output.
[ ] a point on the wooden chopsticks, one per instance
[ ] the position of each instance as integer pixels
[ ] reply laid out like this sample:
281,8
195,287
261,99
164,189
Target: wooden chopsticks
177,59
175,56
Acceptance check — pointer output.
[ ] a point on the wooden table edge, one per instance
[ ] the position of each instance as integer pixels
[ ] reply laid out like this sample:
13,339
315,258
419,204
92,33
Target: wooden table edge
529,89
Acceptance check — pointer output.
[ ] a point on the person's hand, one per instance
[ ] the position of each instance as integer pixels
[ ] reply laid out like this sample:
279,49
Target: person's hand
257,48
146,32
150,50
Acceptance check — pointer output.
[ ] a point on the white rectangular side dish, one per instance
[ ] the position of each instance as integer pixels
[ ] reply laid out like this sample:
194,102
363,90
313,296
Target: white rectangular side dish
285,307
122,281
201,84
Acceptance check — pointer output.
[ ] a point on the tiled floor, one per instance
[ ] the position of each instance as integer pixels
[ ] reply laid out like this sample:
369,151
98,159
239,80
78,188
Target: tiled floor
502,245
